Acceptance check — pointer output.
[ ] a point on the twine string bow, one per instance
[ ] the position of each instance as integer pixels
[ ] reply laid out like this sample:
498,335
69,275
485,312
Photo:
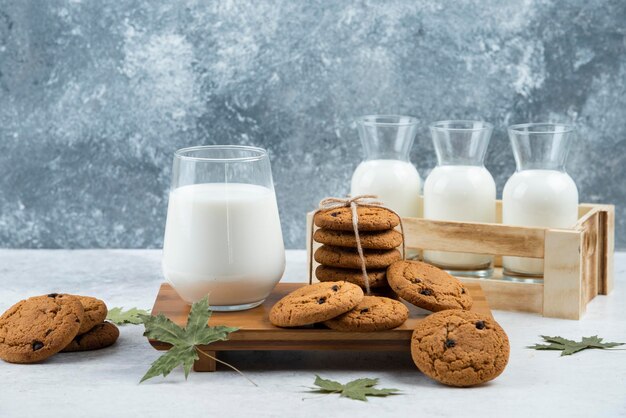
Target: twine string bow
354,202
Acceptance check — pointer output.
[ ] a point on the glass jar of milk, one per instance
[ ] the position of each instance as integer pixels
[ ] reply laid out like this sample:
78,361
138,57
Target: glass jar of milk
387,171
460,189
223,235
540,193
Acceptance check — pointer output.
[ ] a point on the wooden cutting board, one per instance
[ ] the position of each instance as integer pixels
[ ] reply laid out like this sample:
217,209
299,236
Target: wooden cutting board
257,333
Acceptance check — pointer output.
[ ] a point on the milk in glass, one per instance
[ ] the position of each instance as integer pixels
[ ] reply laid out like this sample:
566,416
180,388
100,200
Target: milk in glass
540,193
387,171
223,240
460,189
460,193
223,236
395,182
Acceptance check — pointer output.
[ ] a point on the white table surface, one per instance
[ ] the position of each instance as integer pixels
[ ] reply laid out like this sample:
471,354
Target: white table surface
105,383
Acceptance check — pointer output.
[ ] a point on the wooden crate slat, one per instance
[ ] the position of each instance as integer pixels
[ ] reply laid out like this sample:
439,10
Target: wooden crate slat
584,208
510,296
479,238
591,251
562,285
598,227
605,284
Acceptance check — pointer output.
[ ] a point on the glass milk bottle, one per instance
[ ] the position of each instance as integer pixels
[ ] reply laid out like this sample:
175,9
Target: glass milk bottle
387,171
460,189
540,193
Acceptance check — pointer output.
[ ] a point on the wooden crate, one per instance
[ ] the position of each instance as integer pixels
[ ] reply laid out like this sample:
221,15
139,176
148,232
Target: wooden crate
578,262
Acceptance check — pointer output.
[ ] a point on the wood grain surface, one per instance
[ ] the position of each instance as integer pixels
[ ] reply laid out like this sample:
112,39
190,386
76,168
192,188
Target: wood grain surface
257,333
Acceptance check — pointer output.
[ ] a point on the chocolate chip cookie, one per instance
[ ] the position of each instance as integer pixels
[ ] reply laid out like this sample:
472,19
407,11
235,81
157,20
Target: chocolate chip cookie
377,277
315,303
370,219
100,336
427,286
383,240
349,257
36,328
95,313
373,313
460,348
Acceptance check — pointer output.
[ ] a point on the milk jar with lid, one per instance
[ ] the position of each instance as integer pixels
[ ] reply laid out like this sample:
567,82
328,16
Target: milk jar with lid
386,170
540,193
460,189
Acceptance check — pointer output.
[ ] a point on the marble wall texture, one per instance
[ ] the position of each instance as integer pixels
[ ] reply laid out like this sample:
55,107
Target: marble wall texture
95,96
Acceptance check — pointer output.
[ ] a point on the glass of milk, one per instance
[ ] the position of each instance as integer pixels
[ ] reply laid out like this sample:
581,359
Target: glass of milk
223,235
540,193
387,171
460,189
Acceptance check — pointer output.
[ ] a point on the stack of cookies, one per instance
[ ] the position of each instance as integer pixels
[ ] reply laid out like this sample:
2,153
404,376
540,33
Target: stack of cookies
39,327
338,256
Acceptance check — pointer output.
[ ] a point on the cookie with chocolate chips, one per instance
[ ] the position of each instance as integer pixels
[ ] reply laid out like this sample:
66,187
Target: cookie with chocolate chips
100,336
315,303
376,240
377,278
460,348
348,258
369,219
427,286
36,328
373,313
95,313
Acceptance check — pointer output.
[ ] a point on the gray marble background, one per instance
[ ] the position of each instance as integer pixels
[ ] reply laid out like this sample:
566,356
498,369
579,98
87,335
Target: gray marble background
95,96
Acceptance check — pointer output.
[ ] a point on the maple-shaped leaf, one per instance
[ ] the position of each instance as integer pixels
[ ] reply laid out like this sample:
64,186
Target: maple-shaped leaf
358,389
120,317
184,341
569,347
173,358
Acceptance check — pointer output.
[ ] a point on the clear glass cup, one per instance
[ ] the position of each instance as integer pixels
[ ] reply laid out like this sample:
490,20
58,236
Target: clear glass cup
387,171
223,236
460,188
540,193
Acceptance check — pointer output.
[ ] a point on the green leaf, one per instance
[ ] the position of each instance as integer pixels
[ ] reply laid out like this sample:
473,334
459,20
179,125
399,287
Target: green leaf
328,385
173,358
596,342
120,317
212,334
198,316
358,389
569,347
161,328
184,341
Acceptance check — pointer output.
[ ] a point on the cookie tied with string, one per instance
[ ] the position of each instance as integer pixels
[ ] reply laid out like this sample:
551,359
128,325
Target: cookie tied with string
370,218
359,215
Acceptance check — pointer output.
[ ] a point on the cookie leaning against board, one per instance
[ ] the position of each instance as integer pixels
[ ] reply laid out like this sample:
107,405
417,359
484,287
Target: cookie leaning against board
427,286
36,328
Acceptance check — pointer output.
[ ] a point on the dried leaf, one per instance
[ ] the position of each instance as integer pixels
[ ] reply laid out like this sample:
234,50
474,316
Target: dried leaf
120,317
569,347
358,389
184,341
